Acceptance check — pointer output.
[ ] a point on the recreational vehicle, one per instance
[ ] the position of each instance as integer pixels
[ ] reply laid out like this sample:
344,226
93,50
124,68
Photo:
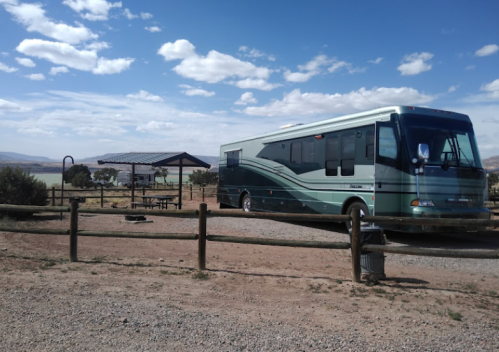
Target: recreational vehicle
393,161
143,178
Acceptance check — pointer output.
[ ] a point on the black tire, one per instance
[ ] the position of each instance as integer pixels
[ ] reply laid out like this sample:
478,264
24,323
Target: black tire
356,205
246,203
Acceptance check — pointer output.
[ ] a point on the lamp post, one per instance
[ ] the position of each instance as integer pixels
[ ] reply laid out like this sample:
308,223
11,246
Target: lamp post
62,184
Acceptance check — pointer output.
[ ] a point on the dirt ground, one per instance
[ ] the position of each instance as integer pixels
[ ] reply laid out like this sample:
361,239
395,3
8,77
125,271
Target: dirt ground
306,287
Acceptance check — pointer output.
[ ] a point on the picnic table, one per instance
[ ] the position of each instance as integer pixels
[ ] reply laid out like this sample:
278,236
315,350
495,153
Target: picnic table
155,201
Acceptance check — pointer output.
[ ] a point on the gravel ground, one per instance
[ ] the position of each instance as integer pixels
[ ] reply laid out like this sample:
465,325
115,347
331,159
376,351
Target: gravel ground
252,300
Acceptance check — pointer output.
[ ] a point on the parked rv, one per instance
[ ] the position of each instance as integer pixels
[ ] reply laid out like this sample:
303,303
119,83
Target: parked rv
393,161
143,178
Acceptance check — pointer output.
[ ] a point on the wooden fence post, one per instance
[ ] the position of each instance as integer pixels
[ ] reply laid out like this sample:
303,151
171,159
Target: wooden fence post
190,189
356,245
202,191
73,232
53,196
101,196
202,237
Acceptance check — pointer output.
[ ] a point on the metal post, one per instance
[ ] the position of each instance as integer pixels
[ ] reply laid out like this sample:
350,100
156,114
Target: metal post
62,185
356,245
202,237
73,232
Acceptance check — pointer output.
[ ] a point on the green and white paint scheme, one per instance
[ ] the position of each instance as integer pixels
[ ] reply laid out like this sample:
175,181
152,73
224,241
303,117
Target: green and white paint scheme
393,161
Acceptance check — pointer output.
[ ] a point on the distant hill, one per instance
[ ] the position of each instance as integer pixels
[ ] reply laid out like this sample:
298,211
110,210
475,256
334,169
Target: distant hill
94,159
9,156
491,163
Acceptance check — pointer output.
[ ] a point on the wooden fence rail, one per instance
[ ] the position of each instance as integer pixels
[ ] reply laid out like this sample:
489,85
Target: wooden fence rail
356,247
104,192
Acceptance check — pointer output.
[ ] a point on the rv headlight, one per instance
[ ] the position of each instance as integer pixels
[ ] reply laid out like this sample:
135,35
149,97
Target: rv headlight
422,203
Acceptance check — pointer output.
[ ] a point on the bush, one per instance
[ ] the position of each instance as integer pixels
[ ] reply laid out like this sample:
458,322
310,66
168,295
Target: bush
81,180
74,170
199,177
18,187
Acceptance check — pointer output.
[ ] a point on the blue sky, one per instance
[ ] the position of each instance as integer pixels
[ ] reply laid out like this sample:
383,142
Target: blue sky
88,77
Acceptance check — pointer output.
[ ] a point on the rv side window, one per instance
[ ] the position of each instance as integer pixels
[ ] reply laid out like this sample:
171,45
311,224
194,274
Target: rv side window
370,145
387,143
332,156
233,158
308,151
296,153
347,154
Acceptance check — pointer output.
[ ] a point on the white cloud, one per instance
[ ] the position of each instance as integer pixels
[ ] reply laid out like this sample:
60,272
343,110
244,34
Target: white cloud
315,67
4,53
110,67
60,69
146,15
25,62
492,89
377,61
36,77
129,15
470,67
452,89
99,131
97,46
153,29
144,95
246,98
181,49
250,83
213,68
191,91
67,55
5,68
37,132
255,53
415,63
155,126
7,105
92,10
297,103
487,50
32,16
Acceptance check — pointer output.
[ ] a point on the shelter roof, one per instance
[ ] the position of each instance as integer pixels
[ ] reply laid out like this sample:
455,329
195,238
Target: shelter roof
156,159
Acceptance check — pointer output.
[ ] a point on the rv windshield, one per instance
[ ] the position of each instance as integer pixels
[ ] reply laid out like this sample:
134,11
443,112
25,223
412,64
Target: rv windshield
452,143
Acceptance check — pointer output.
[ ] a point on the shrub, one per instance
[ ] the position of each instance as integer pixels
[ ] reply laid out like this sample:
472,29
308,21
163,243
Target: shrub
75,170
18,187
199,177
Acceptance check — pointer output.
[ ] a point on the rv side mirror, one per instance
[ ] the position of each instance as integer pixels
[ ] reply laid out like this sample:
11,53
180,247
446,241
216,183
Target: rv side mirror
423,151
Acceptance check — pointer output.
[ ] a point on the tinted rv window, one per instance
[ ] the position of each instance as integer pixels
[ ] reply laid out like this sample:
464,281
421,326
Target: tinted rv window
387,143
347,154
370,145
295,153
233,158
332,156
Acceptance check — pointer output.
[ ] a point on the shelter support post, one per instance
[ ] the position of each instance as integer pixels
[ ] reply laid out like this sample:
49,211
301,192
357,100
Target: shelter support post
202,236
180,184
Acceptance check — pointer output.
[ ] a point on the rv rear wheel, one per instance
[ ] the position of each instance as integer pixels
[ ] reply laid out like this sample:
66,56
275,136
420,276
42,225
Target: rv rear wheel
247,202
364,211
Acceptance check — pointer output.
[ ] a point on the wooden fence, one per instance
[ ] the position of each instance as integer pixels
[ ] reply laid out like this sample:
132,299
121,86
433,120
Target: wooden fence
103,193
355,246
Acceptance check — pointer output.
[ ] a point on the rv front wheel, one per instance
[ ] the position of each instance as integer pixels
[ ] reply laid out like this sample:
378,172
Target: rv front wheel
363,212
247,202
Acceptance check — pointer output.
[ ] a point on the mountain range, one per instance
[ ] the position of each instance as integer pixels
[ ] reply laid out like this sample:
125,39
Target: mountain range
16,157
